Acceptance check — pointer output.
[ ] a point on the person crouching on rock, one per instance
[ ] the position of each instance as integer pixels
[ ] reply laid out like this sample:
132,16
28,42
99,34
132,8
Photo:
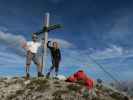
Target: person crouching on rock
55,56
32,55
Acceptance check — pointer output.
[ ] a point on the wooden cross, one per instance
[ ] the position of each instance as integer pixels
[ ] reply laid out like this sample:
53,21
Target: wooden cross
47,28
47,15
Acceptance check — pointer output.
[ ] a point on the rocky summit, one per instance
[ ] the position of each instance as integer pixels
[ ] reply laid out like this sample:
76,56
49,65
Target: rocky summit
53,89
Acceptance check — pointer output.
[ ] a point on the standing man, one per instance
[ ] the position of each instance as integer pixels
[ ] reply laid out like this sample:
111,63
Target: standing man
55,56
32,55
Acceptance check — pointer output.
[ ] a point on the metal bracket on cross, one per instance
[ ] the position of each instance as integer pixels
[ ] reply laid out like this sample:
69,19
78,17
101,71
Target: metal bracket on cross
47,28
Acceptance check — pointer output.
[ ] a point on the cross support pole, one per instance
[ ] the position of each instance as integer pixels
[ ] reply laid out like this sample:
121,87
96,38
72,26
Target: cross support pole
44,55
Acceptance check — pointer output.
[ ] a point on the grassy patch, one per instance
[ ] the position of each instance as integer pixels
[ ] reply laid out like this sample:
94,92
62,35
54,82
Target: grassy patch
56,82
81,82
19,92
38,85
57,95
11,97
117,96
74,87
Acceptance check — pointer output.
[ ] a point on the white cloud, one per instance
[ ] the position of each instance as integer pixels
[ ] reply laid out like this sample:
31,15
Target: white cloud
70,57
121,28
113,51
3,28
62,43
81,58
11,39
74,56
121,25
14,41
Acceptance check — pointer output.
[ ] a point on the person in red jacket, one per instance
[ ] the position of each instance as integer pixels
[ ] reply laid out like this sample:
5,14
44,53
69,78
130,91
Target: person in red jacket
80,75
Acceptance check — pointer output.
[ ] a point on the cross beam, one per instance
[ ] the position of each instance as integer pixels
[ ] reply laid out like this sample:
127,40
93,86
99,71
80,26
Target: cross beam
48,29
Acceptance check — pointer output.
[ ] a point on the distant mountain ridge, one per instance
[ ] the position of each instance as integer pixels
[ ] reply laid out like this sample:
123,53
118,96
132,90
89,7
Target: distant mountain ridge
126,86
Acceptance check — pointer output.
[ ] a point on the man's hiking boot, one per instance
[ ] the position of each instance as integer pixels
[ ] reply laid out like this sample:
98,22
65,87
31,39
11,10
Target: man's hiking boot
27,76
40,74
48,75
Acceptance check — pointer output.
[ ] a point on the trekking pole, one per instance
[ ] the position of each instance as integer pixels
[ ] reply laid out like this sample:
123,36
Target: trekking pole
108,73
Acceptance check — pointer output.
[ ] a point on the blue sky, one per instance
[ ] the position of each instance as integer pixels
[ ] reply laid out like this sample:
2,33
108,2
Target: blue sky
101,29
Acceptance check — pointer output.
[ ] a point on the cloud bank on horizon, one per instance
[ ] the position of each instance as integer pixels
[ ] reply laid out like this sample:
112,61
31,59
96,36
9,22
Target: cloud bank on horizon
14,42
72,57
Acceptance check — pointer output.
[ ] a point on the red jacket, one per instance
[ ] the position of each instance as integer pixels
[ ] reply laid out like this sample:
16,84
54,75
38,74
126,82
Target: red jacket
80,75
